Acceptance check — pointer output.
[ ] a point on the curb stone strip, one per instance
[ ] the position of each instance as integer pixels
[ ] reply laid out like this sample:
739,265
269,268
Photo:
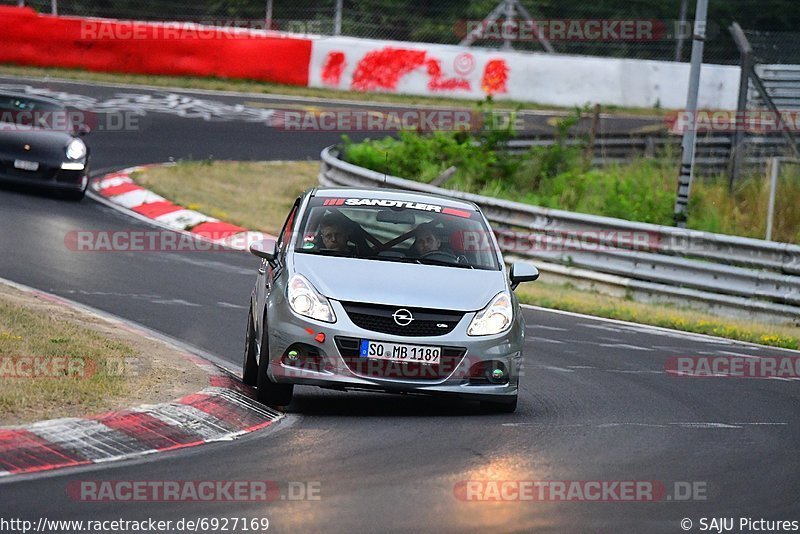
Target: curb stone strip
213,414
224,410
119,189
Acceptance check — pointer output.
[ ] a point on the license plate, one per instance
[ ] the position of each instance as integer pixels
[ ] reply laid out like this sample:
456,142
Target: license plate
398,352
26,165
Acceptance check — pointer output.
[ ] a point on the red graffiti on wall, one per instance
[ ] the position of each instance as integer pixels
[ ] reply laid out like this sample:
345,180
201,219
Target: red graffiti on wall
495,76
383,69
439,83
333,68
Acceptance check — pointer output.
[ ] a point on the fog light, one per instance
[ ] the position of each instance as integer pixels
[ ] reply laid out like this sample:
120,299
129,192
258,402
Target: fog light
491,372
293,355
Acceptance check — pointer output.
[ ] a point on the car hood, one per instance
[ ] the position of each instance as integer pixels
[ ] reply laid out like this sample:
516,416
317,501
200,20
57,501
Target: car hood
400,284
46,145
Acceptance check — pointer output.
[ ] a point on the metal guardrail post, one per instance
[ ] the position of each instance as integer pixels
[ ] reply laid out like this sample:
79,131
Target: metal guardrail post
774,173
690,136
337,18
737,145
774,169
681,29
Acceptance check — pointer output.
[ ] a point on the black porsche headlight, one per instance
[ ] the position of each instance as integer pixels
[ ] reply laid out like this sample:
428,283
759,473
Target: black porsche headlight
76,149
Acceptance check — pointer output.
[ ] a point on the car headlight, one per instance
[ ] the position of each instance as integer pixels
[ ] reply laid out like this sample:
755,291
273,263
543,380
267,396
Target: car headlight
76,149
496,317
305,300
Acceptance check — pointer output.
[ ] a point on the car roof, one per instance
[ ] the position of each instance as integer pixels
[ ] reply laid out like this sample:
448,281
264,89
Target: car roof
392,194
52,101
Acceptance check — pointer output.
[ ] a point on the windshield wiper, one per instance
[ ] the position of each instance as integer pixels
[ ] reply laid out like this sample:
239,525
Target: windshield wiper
420,261
393,258
329,252
427,261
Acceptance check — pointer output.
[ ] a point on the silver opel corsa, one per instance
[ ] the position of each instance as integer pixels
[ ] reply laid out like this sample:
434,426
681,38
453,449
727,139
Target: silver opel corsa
376,289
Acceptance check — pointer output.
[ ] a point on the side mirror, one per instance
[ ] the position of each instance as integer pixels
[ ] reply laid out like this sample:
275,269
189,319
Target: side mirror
264,249
84,129
522,272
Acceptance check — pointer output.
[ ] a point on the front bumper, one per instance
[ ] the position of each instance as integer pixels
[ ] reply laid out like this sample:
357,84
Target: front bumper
50,177
289,331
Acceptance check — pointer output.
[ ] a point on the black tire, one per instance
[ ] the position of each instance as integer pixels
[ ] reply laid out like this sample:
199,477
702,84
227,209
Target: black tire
269,392
250,363
500,407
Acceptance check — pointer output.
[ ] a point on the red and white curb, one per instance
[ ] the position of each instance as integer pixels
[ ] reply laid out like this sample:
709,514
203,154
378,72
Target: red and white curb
119,190
223,411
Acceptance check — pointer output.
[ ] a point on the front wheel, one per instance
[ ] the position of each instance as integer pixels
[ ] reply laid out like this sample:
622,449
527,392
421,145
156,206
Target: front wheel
250,363
269,392
509,406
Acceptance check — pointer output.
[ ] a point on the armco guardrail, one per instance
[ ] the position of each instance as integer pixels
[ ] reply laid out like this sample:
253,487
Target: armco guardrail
750,274
712,156
782,83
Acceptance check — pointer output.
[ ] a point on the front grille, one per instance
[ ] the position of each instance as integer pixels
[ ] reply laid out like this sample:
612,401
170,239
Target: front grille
378,318
374,368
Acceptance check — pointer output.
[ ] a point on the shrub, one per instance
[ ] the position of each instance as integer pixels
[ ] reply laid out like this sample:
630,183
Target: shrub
557,176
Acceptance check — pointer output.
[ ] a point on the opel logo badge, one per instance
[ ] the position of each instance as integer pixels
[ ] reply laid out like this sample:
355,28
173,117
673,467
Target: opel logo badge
402,317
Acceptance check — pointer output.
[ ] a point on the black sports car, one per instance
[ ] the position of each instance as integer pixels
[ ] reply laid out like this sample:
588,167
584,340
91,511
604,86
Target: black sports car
40,145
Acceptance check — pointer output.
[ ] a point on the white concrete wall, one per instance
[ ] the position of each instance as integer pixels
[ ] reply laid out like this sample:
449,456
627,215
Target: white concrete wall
550,79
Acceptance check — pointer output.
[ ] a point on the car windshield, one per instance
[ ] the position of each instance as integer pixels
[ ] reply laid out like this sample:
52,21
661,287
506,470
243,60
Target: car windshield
398,231
32,113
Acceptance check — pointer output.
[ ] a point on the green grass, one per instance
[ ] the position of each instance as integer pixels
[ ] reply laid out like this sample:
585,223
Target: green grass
85,385
568,298
558,177
256,196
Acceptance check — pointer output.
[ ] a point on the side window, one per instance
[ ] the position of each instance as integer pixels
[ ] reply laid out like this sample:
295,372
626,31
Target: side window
285,237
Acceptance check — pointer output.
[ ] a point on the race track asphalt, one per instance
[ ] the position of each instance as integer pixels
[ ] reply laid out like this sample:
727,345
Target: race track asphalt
595,402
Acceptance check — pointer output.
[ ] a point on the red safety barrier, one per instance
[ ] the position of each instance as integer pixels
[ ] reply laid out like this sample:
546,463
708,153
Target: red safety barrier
29,38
